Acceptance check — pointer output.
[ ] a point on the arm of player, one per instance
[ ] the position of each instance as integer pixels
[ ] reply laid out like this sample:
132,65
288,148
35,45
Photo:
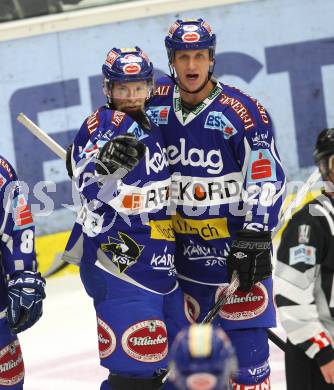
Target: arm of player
264,179
103,156
263,189
25,285
299,258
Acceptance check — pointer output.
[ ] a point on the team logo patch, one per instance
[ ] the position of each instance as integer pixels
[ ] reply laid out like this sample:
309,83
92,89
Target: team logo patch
201,381
302,254
130,58
132,68
262,166
111,58
11,364
216,120
3,181
192,308
173,28
146,341
22,214
190,28
107,339
161,90
191,37
117,118
244,305
159,114
93,122
125,251
304,232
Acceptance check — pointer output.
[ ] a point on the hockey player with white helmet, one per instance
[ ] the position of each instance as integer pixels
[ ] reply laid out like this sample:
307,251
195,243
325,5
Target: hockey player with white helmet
127,266
21,286
228,184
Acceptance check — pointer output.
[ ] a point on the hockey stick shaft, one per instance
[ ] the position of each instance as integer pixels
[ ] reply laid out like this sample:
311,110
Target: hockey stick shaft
42,136
234,284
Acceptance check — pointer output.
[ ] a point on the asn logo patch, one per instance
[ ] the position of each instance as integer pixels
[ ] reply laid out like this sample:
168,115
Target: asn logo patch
244,306
146,341
217,121
159,114
302,254
107,339
124,251
11,364
262,166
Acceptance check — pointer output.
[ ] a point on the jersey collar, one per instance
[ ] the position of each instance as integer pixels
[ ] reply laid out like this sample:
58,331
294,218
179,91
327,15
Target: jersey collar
198,109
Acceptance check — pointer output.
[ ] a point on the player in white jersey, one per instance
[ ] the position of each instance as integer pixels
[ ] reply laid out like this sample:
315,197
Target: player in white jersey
304,289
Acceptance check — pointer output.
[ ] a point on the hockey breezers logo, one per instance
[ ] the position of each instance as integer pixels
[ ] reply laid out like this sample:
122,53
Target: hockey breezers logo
125,251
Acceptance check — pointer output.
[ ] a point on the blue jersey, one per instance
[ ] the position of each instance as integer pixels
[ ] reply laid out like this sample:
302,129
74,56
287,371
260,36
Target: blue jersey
16,230
226,174
126,230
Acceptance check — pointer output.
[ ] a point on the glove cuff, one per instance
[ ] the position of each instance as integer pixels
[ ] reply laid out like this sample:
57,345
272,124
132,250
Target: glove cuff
254,235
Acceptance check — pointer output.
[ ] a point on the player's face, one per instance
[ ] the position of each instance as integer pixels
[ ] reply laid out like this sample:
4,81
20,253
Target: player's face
326,168
129,96
192,67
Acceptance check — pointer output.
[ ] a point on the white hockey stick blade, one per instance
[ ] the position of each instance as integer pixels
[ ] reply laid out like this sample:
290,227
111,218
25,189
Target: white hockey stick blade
42,136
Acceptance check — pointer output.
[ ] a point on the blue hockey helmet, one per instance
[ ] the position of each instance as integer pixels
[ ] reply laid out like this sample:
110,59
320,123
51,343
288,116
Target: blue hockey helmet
190,34
127,65
202,358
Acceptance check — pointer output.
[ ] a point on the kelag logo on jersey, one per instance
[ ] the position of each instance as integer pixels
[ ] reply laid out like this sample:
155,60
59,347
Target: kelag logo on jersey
216,120
159,114
262,166
125,251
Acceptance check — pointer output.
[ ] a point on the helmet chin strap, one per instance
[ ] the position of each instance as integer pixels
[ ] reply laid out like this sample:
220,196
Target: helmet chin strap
199,89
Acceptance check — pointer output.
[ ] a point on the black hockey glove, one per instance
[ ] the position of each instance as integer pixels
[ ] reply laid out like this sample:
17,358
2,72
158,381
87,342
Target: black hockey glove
25,296
68,161
250,256
123,151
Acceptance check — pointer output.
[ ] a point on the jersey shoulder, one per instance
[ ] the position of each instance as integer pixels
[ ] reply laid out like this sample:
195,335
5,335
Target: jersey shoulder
249,111
310,214
7,172
164,86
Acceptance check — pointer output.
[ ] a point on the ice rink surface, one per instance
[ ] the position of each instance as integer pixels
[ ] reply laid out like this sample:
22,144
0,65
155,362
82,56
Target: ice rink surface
60,351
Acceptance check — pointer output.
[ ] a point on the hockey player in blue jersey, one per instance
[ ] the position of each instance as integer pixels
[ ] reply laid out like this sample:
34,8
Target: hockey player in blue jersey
228,184
202,358
21,286
127,265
